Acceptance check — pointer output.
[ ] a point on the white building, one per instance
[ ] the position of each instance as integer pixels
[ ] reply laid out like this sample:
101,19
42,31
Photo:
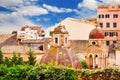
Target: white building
30,32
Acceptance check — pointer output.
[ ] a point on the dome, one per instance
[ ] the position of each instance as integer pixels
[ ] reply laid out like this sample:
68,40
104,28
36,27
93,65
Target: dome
96,34
63,56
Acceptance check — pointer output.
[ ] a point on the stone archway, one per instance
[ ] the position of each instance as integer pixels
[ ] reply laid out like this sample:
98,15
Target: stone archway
96,61
91,61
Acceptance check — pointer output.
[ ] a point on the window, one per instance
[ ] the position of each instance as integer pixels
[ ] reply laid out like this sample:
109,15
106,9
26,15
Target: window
99,16
107,43
115,15
110,34
50,33
102,16
116,34
114,24
56,40
106,33
107,16
101,25
107,24
114,41
31,36
65,40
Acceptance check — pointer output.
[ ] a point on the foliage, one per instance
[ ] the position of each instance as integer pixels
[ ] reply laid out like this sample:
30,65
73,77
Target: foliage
18,72
31,58
20,59
7,62
1,57
46,72
15,60
37,72
99,74
83,63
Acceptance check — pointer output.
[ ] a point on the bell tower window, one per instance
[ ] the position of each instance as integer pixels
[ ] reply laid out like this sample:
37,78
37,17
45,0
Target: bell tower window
66,40
56,40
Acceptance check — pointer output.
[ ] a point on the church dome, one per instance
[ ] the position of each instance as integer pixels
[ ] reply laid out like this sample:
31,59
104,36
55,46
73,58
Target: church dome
63,56
96,33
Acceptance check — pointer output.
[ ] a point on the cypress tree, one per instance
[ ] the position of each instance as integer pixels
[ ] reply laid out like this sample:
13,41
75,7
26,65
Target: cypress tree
1,57
31,58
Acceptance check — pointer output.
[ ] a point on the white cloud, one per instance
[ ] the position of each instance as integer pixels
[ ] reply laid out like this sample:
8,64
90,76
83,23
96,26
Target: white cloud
56,9
86,13
90,4
17,18
23,7
10,22
30,11
10,3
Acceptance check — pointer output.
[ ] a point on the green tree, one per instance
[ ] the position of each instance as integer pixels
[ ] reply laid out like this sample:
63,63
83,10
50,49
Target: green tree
7,61
1,57
31,58
14,58
20,59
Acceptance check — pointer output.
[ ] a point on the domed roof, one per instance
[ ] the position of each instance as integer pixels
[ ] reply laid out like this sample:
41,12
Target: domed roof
96,33
63,56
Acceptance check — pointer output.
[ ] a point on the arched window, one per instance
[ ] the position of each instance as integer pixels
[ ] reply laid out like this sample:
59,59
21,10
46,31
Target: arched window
96,61
91,61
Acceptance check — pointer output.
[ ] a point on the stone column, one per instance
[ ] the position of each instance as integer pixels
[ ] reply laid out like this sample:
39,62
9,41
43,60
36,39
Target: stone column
93,62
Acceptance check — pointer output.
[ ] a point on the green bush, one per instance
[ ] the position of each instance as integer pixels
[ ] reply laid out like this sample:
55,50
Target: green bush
46,72
83,63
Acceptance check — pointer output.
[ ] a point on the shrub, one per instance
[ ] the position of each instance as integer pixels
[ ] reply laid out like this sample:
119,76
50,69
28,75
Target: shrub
45,72
83,63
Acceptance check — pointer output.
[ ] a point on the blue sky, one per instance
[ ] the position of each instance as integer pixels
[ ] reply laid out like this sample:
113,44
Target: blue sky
16,13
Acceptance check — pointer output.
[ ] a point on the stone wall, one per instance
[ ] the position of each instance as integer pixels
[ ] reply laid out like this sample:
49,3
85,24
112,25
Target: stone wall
78,46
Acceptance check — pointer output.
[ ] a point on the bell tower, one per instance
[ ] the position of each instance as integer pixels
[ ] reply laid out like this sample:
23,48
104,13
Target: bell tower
60,36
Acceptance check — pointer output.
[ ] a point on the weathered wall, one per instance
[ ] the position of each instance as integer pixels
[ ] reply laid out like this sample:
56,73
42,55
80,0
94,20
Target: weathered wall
78,46
25,56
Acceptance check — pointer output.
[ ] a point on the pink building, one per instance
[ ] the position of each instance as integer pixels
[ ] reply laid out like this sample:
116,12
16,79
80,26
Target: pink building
108,17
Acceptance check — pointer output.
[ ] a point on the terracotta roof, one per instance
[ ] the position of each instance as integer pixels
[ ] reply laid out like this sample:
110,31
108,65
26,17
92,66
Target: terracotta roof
63,56
4,37
96,34
7,39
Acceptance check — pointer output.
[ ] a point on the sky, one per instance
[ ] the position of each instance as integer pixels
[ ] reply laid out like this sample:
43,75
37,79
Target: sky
17,13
